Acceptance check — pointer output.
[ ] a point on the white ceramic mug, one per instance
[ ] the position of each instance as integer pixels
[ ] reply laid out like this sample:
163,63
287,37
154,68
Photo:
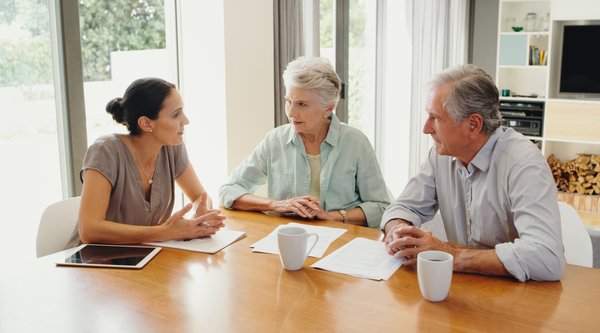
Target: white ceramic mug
293,242
434,269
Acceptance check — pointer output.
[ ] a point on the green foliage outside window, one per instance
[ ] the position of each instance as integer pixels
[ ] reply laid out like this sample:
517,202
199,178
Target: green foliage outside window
27,61
106,25
122,25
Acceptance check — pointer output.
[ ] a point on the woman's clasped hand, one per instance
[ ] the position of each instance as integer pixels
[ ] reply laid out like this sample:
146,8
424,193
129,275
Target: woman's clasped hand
306,206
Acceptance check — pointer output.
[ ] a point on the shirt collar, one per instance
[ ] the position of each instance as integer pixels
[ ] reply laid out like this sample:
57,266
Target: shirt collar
483,159
332,134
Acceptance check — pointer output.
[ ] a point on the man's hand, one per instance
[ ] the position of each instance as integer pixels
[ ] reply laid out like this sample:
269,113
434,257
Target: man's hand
408,241
390,235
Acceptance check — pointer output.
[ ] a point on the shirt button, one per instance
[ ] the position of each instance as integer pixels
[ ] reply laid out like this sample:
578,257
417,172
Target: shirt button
468,181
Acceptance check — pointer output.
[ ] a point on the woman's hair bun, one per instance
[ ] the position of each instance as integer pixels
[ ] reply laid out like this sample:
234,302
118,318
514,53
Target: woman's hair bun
115,108
143,98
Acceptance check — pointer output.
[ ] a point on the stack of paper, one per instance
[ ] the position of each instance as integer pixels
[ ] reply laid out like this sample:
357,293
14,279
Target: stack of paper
211,244
326,237
362,258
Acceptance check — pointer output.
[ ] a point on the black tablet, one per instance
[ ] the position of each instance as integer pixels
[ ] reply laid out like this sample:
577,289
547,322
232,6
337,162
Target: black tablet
111,256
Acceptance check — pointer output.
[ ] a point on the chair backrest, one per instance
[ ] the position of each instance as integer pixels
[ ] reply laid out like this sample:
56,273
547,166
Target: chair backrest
56,225
576,239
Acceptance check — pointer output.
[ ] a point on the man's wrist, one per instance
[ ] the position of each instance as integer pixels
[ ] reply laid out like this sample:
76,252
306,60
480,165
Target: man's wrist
394,222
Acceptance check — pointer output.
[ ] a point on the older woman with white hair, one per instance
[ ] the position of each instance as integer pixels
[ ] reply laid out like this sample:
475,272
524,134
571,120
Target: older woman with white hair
315,166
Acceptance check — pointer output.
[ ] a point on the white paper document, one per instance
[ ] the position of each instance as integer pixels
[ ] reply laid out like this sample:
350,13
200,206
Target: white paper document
211,244
363,258
326,236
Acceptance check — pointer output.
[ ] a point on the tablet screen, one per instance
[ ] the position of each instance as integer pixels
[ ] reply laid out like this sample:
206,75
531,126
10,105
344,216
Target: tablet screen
110,256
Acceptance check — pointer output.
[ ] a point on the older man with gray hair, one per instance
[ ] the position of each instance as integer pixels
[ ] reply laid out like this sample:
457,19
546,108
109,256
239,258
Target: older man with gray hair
492,186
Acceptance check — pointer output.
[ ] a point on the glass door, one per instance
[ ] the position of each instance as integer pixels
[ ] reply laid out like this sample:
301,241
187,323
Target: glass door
368,43
121,41
30,169
362,53
349,27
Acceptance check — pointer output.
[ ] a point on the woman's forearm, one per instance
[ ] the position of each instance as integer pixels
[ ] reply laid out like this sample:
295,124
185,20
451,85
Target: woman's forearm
355,216
253,202
107,232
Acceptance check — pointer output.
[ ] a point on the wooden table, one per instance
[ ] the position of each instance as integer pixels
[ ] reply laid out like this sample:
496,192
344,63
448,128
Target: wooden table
236,290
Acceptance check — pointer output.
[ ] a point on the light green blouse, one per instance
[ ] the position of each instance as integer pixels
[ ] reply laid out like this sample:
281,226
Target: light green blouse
350,175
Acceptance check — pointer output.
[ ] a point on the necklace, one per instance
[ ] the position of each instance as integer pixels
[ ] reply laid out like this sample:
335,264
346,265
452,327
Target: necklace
140,164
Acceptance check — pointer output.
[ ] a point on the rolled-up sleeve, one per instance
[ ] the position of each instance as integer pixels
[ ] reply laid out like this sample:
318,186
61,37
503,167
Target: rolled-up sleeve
373,212
538,251
248,177
372,188
504,199
350,174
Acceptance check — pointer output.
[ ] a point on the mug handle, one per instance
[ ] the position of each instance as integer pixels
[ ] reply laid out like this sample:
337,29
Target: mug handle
315,243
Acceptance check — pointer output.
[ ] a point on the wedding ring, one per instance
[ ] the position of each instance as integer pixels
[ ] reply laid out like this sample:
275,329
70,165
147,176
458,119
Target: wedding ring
203,224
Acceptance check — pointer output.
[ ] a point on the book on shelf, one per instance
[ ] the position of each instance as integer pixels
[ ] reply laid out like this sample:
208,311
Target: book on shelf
537,57
545,61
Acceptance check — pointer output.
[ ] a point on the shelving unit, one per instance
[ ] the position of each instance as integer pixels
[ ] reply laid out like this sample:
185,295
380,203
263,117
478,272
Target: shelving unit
570,126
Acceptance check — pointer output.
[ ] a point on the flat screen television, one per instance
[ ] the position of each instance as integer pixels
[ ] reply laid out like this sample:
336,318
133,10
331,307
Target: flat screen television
580,65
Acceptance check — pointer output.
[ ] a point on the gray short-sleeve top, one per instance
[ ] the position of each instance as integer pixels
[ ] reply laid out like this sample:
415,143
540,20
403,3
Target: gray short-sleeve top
110,156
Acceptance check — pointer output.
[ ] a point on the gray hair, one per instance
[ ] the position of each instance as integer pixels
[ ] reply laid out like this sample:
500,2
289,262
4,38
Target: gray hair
471,90
316,74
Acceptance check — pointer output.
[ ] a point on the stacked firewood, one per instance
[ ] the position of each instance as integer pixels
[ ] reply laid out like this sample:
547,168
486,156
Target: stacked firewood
580,175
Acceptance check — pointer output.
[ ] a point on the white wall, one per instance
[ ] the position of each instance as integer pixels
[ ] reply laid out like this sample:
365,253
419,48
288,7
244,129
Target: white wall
249,75
226,81
202,78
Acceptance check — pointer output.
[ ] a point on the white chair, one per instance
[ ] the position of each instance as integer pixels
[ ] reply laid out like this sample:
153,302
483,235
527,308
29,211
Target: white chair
576,239
56,225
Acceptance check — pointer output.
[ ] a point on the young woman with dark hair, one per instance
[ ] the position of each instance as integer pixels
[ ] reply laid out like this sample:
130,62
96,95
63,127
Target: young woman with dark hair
129,179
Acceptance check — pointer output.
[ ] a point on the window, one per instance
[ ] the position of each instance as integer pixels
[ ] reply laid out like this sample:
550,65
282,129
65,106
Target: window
29,133
121,41
31,177
368,44
353,57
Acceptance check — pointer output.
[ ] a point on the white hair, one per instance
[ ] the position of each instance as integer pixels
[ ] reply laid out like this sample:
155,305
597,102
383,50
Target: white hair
315,74
471,91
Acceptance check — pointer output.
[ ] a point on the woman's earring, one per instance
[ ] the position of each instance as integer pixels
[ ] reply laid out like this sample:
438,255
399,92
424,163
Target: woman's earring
150,130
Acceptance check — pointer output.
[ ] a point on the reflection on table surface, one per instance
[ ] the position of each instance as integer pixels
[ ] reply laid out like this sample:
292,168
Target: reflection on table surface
236,290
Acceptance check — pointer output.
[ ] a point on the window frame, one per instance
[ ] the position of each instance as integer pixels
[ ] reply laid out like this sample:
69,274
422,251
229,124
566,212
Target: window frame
342,32
68,91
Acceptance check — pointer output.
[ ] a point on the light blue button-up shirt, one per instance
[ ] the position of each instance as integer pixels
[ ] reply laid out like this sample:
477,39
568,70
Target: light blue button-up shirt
505,199
350,174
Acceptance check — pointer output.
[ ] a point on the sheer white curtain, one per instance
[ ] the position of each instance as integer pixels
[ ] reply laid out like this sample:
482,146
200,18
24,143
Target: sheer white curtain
311,26
288,40
440,35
